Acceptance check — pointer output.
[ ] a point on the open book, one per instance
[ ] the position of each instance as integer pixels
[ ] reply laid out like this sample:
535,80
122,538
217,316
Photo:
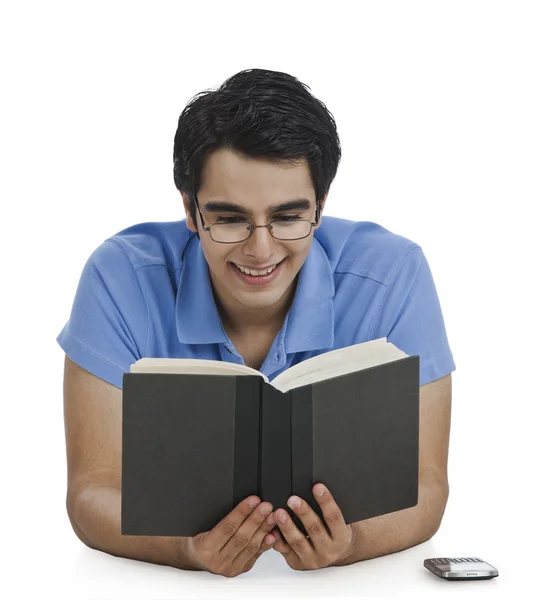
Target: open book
199,436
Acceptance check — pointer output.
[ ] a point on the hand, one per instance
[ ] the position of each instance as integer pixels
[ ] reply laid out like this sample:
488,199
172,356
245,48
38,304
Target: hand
323,547
233,546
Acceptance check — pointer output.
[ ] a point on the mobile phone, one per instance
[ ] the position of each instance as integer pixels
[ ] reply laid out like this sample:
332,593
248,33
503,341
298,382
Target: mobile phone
458,569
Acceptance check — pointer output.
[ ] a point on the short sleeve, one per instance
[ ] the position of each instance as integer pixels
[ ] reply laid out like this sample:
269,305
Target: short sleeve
107,328
411,317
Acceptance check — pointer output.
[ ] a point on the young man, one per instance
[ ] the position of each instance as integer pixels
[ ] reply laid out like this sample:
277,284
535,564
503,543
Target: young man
254,275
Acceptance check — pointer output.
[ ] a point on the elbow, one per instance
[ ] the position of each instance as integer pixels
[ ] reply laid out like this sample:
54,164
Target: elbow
73,513
433,512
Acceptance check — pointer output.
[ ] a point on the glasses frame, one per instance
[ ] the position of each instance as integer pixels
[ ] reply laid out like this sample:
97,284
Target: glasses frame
252,228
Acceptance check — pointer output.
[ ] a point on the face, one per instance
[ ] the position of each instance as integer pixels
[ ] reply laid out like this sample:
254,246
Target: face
257,187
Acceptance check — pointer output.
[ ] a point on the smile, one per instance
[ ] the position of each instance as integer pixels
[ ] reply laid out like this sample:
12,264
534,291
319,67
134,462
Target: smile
257,272
258,278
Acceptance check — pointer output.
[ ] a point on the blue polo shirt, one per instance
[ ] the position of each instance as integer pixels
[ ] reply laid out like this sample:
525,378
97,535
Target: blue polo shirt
146,292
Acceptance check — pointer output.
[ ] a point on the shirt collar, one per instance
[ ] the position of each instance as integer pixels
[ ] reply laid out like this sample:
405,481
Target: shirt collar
309,322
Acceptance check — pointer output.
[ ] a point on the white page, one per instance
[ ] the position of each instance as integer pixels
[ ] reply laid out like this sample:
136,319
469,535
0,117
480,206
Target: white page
193,366
338,362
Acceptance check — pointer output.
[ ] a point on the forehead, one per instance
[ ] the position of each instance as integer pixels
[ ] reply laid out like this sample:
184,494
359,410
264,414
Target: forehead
253,182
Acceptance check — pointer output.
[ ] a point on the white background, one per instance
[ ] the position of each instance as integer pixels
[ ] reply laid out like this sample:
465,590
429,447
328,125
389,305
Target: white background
435,104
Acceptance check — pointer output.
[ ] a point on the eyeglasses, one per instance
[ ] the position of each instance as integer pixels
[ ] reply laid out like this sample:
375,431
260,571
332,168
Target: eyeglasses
237,230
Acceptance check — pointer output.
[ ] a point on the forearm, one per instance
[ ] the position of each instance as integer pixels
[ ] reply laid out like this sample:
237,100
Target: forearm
399,530
95,515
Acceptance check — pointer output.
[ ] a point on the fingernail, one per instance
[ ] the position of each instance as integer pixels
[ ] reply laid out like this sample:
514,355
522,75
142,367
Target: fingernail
320,490
253,503
293,502
282,517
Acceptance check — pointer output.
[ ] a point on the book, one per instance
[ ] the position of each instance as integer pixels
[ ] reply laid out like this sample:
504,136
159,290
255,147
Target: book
199,436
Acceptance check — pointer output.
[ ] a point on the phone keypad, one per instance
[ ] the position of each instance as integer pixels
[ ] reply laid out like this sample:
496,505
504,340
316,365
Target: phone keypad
451,561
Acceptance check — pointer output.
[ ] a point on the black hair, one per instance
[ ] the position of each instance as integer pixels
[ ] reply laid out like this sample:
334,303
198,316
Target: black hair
261,114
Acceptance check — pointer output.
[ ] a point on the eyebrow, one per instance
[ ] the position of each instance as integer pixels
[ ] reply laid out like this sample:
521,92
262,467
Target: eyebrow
221,206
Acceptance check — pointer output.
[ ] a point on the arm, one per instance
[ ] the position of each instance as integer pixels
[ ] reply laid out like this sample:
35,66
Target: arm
95,515
92,412
399,530
406,528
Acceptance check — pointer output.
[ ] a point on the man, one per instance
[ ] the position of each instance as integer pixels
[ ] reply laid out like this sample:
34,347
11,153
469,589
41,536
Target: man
254,275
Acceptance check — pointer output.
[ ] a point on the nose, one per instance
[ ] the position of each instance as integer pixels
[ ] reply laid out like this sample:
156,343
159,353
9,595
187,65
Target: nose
260,245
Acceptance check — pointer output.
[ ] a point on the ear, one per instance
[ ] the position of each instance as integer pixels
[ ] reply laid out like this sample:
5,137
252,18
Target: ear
189,218
323,202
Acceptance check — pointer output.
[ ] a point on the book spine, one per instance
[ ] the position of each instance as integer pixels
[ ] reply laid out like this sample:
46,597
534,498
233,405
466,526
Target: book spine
248,417
302,449
275,447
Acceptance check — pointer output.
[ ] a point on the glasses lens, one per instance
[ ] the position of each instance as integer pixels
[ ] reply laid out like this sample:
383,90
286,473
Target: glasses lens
290,230
237,232
229,232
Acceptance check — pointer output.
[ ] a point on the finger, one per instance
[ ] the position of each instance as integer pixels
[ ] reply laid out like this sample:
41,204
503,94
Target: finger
319,536
261,541
221,533
295,538
266,545
280,545
331,512
242,538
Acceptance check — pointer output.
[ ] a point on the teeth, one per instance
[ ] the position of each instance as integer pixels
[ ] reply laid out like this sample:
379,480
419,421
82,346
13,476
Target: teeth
254,272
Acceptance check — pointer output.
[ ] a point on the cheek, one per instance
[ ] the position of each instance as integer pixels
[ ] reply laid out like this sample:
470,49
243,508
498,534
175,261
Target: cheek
215,257
298,256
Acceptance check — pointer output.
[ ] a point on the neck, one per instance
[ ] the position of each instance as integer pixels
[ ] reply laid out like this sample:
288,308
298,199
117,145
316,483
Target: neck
237,319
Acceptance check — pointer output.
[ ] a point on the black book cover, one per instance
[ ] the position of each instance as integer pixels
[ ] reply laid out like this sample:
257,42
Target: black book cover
194,446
